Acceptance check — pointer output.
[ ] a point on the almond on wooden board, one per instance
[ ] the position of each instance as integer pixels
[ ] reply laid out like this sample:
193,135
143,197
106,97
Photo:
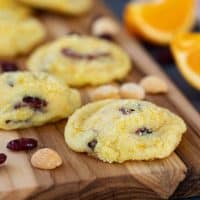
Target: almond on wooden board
46,159
105,25
105,92
154,85
132,91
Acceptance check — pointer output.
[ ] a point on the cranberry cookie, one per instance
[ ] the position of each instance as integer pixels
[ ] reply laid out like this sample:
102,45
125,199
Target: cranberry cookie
32,99
121,130
81,60
71,7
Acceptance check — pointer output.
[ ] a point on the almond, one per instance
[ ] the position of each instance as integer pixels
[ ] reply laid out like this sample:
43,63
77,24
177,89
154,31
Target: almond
105,92
132,91
154,85
46,159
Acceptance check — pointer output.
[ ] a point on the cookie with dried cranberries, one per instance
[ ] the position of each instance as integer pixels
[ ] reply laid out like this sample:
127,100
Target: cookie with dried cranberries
80,60
121,130
32,99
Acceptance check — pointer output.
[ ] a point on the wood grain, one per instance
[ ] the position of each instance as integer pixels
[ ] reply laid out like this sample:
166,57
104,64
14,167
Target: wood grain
85,178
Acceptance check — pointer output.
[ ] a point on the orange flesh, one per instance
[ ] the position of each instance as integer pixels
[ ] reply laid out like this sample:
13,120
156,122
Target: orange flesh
187,42
194,60
166,15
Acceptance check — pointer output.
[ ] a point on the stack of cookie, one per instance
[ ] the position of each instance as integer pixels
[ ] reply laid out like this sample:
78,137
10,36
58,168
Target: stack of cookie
111,130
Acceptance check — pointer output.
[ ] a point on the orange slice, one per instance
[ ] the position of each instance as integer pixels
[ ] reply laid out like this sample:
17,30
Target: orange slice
159,20
186,51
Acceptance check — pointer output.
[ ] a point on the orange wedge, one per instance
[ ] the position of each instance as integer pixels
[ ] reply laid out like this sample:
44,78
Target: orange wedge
186,51
159,20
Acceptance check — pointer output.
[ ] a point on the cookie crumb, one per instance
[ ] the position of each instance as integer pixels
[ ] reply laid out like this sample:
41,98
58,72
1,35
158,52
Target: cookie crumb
132,91
154,85
46,159
105,92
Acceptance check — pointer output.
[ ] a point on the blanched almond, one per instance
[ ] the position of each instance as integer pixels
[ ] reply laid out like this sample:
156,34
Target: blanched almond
105,92
46,159
105,25
132,91
154,85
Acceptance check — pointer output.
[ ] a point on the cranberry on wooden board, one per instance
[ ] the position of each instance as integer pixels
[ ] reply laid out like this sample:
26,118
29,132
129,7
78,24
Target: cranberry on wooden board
3,158
22,144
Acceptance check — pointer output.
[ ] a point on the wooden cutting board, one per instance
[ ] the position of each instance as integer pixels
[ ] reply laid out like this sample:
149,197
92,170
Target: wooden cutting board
85,178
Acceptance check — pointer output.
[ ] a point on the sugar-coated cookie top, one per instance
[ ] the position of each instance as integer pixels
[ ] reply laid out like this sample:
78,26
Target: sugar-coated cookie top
31,99
120,130
81,60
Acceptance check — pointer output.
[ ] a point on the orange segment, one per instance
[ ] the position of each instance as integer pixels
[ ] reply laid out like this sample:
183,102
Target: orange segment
186,51
160,20
194,61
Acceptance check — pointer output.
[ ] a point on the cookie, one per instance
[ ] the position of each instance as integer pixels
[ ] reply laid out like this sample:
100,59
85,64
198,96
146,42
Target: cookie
12,10
18,38
81,60
121,130
16,29
32,99
71,7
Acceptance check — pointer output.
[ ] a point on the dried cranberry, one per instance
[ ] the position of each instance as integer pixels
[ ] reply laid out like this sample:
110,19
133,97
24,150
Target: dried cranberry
92,144
8,66
106,36
33,102
3,158
126,111
22,144
75,55
143,131
74,33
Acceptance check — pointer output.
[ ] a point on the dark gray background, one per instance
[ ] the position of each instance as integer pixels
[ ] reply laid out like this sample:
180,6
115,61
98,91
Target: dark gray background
192,94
